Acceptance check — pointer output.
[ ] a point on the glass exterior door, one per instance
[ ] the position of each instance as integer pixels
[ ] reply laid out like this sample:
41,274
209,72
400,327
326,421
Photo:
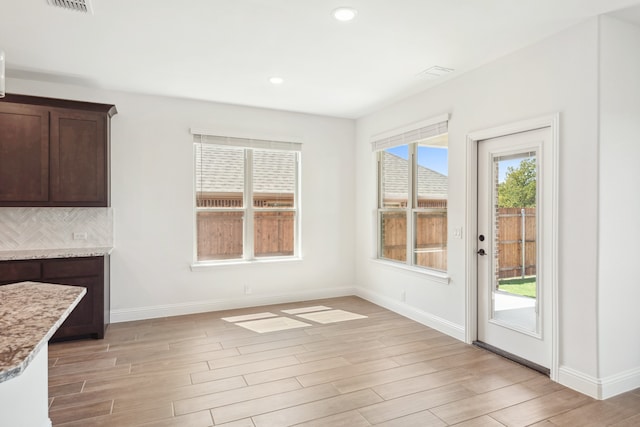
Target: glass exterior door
514,245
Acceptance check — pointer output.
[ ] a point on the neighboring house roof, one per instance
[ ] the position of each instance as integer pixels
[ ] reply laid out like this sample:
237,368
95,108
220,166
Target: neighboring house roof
431,184
274,171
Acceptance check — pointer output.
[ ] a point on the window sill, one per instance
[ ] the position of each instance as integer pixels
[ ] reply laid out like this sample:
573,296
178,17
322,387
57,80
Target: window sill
204,265
435,276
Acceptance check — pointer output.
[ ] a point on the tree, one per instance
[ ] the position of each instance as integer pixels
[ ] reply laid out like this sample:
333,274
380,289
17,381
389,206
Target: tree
519,188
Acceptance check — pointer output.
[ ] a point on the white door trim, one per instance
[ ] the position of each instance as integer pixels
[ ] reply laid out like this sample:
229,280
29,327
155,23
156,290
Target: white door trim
471,323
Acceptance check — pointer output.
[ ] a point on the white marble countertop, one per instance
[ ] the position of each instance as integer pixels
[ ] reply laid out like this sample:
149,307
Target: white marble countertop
30,313
54,253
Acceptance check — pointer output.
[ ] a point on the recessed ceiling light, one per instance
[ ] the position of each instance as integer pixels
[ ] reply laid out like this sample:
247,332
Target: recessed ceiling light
344,14
276,80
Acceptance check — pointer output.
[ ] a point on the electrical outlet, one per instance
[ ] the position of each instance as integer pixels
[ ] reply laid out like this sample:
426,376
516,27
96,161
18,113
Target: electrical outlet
80,236
403,296
247,290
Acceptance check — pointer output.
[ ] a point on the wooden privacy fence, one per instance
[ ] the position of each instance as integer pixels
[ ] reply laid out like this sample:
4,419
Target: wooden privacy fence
274,233
220,234
431,240
516,239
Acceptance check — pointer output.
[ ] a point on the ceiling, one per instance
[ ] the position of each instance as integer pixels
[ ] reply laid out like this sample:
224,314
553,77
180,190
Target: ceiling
226,50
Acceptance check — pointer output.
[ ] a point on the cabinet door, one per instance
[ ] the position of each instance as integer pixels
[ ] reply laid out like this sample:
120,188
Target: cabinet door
86,318
79,158
24,155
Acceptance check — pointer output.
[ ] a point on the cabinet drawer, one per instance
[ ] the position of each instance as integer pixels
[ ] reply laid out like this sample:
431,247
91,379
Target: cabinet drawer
72,267
19,271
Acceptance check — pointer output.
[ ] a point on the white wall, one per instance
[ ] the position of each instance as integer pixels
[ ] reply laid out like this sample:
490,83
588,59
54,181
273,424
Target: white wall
558,74
152,199
619,232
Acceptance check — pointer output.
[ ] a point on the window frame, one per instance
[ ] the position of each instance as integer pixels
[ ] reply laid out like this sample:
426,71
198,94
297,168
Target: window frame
411,212
248,210
411,136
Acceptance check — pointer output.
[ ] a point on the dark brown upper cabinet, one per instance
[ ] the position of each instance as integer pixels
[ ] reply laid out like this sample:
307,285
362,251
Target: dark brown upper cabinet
54,152
78,157
24,153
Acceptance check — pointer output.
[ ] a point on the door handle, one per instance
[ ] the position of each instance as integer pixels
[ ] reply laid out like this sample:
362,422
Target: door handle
481,252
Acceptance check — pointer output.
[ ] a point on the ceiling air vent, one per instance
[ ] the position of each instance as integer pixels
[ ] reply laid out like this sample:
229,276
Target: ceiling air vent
77,5
436,71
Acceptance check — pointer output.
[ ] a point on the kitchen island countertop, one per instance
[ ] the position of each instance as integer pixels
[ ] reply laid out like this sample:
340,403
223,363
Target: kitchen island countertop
30,313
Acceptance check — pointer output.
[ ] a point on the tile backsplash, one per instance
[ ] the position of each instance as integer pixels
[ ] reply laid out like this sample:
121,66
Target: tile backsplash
55,228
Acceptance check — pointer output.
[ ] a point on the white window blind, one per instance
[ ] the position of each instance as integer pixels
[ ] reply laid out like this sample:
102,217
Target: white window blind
263,144
411,133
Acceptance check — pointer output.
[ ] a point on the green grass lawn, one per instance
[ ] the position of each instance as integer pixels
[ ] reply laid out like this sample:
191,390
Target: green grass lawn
525,287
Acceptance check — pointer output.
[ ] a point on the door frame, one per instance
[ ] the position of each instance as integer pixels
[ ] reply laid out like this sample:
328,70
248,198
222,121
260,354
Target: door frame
471,246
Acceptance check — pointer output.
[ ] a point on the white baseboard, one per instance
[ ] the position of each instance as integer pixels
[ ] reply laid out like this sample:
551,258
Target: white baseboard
585,384
599,388
620,383
152,312
435,322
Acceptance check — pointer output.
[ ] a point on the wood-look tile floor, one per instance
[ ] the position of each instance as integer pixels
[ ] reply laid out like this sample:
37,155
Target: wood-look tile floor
199,370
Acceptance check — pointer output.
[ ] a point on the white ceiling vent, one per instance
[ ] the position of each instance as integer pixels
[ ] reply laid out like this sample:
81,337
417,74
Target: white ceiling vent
435,72
77,5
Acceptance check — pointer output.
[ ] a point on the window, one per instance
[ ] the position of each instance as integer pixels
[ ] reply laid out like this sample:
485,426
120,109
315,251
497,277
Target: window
246,200
412,196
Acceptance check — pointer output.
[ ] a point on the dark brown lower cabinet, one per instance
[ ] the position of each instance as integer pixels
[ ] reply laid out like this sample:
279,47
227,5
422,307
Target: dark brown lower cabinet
90,318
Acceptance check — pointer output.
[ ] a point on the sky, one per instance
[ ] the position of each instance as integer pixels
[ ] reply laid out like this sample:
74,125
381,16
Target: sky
433,158
437,159
505,164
